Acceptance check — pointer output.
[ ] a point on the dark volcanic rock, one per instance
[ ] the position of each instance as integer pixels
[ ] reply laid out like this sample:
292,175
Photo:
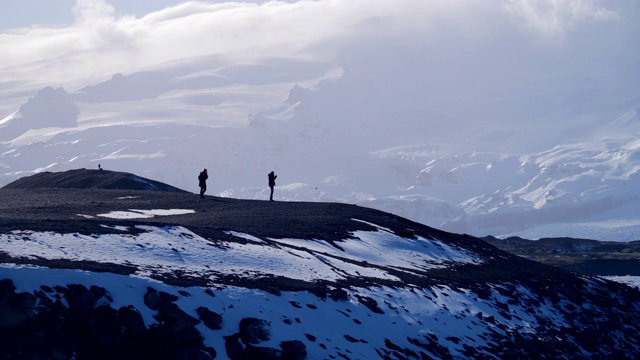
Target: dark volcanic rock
106,327
58,332
15,309
254,331
370,303
233,346
176,322
152,299
293,350
211,319
132,321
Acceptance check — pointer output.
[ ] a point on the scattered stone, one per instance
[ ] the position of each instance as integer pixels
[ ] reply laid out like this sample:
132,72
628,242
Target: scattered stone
254,331
166,297
338,294
293,350
131,321
105,326
295,304
211,319
233,347
272,290
351,338
75,329
370,303
152,299
177,322
98,291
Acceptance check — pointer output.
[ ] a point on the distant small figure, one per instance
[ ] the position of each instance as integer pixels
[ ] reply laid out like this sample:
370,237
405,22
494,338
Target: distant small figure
99,167
272,183
202,182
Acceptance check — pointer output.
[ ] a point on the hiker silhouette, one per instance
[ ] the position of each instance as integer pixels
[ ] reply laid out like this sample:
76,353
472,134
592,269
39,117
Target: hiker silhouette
272,183
202,182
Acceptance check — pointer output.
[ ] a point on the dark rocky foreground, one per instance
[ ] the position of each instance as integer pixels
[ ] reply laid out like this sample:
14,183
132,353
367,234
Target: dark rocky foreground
595,318
43,326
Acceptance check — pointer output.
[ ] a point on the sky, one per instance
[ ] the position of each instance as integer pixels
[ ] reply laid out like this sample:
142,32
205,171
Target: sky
94,37
58,13
476,60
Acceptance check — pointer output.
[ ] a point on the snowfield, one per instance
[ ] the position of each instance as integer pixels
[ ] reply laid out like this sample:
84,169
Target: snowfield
177,248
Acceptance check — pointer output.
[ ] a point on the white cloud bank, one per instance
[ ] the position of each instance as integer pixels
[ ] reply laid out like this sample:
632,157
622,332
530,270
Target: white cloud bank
556,17
102,42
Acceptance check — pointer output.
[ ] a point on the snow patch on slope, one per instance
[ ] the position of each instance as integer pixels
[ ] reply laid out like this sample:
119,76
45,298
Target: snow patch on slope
158,249
454,319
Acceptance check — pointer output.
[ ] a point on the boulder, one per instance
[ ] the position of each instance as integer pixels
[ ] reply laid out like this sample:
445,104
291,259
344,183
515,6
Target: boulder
132,321
105,326
177,322
152,299
254,331
211,319
293,350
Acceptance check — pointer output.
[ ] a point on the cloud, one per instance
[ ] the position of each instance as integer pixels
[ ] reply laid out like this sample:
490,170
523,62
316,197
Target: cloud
90,11
556,17
101,42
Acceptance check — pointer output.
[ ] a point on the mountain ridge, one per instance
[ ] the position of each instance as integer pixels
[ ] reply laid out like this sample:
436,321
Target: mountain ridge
385,286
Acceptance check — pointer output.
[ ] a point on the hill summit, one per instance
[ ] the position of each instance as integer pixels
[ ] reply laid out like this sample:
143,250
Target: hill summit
95,272
89,179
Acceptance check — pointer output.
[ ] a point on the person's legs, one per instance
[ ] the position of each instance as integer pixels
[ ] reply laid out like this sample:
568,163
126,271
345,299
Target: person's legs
271,196
202,190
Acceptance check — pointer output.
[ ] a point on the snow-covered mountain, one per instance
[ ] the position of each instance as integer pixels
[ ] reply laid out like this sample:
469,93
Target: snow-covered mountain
89,273
582,189
486,118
